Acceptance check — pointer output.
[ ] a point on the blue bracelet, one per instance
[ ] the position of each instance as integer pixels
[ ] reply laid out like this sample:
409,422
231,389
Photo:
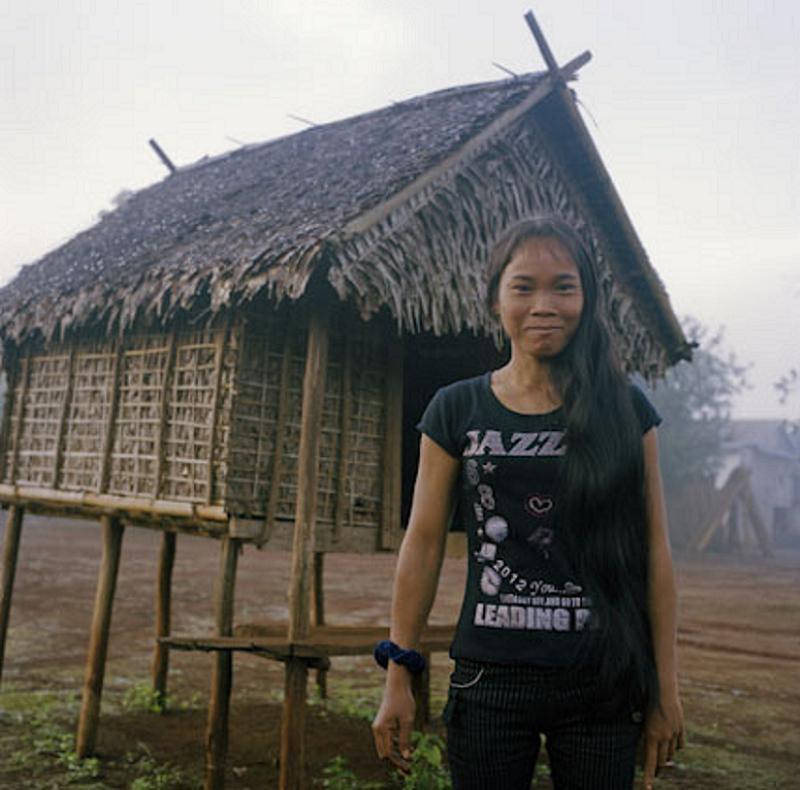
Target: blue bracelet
410,659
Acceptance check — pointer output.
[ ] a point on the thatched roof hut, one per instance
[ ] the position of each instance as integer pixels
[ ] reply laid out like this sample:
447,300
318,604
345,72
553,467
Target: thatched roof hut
224,353
392,211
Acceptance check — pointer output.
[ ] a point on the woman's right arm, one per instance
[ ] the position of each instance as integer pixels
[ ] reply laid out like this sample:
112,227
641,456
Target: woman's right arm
419,563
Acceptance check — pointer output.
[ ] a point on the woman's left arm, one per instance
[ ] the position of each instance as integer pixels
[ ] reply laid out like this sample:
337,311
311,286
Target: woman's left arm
664,722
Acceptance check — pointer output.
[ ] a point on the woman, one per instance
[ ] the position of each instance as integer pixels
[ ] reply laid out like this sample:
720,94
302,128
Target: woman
568,625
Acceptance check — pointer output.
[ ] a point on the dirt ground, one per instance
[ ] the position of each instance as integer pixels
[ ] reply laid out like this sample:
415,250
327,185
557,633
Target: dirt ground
739,659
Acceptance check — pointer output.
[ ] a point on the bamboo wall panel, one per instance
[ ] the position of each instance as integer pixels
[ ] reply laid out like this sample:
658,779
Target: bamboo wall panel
255,408
87,423
189,419
134,456
43,403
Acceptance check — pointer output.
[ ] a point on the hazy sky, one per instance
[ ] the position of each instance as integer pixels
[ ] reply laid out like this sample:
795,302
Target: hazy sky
694,104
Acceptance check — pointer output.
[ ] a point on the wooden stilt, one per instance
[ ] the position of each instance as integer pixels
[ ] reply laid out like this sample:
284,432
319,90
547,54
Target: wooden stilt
292,774
10,553
293,726
222,677
166,561
319,616
422,693
98,642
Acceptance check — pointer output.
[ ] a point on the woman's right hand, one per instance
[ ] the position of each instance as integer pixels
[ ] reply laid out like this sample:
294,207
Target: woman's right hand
394,721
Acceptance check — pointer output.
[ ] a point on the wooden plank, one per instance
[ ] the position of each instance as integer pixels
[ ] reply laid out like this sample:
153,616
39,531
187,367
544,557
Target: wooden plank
166,562
13,533
391,528
760,529
307,474
216,736
113,407
345,420
98,642
26,382
280,430
330,641
220,344
737,479
63,418
163,426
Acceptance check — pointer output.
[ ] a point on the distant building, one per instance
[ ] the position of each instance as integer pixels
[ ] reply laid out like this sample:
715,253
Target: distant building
770,449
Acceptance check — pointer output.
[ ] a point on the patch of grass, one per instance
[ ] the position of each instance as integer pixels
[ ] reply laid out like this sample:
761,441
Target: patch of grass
152,775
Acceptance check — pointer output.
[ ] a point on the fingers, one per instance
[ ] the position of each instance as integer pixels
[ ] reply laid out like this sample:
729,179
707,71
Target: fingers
650,762
383,739
393,742
404,740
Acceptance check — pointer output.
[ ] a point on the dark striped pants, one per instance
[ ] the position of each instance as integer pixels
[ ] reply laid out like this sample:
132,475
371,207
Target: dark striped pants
495,715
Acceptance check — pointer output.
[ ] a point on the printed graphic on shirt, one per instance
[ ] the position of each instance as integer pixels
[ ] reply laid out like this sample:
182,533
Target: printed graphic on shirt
517,601
529,445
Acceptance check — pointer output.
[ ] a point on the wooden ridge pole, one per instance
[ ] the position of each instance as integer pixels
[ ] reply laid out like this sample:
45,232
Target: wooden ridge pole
292,759
98,642
166,562
10,553
216,741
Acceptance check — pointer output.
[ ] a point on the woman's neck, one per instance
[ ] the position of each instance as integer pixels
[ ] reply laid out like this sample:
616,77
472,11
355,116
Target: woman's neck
527,383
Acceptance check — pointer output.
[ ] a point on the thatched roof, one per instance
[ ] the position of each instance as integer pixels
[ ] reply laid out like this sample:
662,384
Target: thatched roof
263,217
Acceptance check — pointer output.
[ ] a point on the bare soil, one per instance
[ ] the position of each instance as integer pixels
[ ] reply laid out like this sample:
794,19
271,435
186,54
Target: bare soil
739,658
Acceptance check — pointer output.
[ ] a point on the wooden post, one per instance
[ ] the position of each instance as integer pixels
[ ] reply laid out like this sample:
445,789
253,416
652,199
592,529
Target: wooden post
163,427
98,642
216,751
166,561
10,554
345,427
220,344
23,402
63,419
319,616
280,429
113,407
391,528
421,685
293,726
292,774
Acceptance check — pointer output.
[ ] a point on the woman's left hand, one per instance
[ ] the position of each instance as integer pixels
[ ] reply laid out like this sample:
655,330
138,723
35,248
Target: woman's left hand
663,735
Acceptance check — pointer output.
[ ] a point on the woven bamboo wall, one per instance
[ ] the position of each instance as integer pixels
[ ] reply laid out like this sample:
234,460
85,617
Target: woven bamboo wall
265,425
209,417
142,419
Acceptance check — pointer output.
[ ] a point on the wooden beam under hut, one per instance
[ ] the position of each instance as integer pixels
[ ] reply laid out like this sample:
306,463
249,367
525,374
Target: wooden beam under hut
216,748
166,563
98,642
293,721
13,533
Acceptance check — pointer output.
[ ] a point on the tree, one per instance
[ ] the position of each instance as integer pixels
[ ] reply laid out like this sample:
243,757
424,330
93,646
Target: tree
695,401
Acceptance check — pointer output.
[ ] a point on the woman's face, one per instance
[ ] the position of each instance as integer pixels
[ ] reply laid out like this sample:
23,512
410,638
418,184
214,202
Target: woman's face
539,297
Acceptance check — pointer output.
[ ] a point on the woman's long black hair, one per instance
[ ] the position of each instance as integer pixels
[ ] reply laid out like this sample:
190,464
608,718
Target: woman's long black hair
601,503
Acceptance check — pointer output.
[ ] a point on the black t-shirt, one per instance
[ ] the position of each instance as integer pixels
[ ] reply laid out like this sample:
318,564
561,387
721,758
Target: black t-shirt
522,602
